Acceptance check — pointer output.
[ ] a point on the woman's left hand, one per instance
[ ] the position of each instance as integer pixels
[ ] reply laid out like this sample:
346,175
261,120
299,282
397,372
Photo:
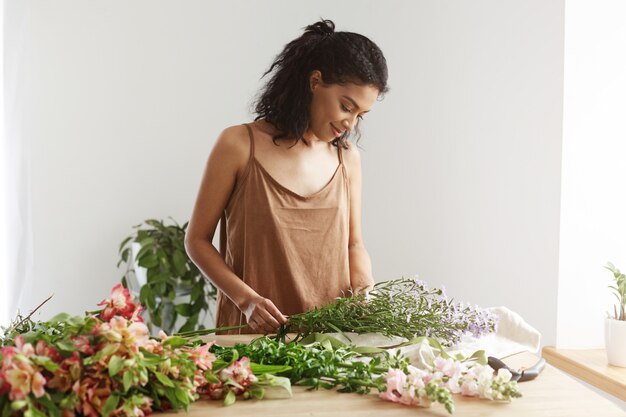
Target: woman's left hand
363,288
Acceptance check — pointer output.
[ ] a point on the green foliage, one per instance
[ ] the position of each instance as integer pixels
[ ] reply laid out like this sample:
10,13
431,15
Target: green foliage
319,364
169,270
619,290
56,331
402,307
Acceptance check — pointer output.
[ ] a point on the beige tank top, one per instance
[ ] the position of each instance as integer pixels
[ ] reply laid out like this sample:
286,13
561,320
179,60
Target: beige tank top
290,248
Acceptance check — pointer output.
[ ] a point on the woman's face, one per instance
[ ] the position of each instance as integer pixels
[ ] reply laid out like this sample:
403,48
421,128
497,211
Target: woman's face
335,108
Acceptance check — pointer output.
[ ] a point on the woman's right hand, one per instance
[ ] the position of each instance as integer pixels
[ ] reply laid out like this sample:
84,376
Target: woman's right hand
263,316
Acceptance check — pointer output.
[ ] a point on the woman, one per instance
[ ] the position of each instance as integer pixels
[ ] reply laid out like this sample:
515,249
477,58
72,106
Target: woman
288,186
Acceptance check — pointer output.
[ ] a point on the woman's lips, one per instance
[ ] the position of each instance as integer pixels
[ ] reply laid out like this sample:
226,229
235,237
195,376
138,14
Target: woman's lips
335,131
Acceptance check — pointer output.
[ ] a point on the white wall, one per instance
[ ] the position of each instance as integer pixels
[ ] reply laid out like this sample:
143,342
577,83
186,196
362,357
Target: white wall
594,145
123,102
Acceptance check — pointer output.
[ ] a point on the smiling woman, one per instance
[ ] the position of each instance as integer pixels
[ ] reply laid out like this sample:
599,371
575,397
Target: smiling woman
287,187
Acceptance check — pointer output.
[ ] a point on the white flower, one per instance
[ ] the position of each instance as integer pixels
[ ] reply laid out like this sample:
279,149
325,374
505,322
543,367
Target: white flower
415,377
453,385
504,375
469,388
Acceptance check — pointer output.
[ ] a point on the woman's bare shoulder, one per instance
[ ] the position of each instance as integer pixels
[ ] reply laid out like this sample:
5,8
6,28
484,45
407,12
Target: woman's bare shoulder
233,146
352,157
234,139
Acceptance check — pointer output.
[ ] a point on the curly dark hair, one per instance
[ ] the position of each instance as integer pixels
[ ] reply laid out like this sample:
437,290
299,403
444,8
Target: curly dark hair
341,57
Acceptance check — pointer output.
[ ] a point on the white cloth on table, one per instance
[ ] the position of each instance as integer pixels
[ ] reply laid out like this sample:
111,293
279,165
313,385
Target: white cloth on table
513,335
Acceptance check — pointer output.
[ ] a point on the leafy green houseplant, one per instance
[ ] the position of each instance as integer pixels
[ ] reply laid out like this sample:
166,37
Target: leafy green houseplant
619,290
615,327
169,284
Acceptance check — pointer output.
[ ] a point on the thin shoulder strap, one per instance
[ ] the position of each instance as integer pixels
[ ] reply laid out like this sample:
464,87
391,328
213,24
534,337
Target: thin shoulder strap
223,240
251,140
339,152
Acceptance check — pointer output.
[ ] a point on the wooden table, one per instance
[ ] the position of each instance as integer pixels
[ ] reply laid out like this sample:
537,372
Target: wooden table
551,394
591,366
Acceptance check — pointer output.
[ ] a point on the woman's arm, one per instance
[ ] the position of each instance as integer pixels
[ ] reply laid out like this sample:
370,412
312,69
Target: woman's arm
228,157
361,278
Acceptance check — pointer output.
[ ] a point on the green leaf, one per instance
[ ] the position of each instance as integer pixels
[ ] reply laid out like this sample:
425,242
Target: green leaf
160,288
124,242
367,350
211,378
154,223
115,365
188,326
128,380
327,345
18,405
110,405
259,393
163,379
197,291
163,260
175,341
65,346
109,349
125,254
59,318
180,262
149,261
150,358
184,309
480,356
146,248
171,396
33,412
321,337
220,364
157,278
259,369
146,296
51,406
230,398
155,315
46,362
181,395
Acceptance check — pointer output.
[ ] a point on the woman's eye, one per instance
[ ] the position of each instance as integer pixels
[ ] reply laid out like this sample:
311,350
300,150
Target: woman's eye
344,108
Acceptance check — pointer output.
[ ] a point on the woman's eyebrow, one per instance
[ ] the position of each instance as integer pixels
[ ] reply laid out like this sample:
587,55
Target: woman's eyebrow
354,102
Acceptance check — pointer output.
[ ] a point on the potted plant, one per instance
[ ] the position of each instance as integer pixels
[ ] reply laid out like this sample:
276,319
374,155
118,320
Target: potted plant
169,284
615,327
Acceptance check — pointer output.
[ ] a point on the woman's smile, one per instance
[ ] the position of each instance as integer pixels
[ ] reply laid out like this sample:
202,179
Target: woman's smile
336,132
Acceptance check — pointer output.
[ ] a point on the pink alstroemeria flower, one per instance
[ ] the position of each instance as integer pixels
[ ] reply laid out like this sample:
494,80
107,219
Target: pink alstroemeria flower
83,344
239,371
202,357
24,378
119,330
25,349
42,349
120,303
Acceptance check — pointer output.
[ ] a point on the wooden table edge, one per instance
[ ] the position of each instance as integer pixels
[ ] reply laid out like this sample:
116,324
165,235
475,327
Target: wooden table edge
584,372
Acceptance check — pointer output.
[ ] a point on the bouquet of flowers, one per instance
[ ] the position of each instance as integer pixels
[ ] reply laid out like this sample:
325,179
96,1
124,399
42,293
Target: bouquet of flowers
106,364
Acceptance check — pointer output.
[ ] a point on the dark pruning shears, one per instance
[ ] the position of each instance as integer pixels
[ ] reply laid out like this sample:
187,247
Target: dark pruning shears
521,375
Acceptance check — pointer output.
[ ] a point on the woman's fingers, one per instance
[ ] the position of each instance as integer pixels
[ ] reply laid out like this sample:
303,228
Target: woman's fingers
267,318
276,314
263,316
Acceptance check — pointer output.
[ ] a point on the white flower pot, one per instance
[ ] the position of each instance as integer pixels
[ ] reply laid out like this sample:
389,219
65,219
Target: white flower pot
615,341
